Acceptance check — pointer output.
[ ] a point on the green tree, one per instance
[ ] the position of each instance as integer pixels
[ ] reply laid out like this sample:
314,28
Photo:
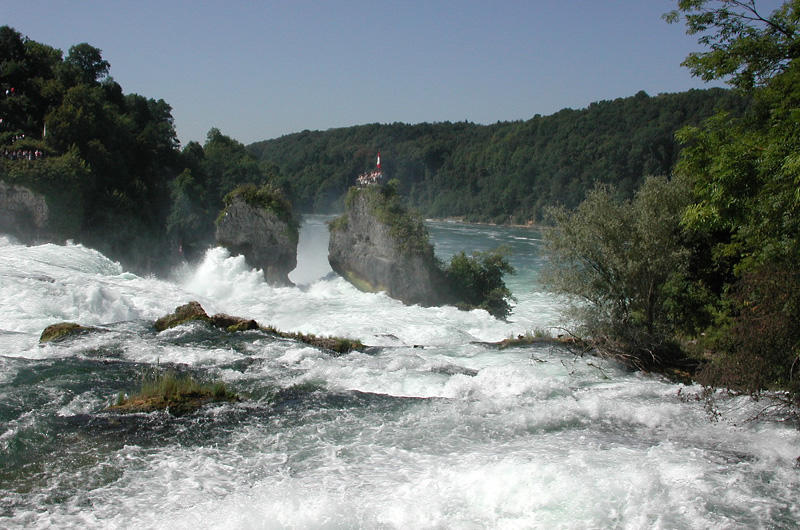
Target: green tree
228,164
478,280
617,262
88,62
745,176
746,45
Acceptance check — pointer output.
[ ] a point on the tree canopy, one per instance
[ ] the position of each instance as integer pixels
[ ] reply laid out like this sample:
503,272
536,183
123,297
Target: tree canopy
745,175
113,153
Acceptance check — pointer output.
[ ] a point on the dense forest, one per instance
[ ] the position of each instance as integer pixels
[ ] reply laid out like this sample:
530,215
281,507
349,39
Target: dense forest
506,172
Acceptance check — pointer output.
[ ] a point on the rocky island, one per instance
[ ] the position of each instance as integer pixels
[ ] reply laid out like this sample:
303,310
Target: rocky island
378,245
258,223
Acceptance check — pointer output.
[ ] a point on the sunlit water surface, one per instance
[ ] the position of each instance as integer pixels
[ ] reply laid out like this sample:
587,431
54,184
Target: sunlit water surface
432,428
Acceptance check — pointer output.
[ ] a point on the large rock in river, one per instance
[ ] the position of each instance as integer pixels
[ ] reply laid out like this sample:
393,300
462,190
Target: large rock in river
258,223
378,246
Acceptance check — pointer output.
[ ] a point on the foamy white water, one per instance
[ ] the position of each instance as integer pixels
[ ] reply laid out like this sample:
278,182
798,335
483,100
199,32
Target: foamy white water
431,429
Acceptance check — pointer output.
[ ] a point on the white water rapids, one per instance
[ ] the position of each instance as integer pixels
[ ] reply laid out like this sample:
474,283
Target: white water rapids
430,429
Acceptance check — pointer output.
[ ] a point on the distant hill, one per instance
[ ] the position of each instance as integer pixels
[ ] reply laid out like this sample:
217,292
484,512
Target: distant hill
505,172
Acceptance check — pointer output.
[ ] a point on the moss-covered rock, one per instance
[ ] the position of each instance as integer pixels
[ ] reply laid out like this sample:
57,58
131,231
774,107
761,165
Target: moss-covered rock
232,324
182,314
194,311
337,345
62,330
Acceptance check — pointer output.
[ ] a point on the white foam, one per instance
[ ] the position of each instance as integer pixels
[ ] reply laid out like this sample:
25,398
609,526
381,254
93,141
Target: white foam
450,435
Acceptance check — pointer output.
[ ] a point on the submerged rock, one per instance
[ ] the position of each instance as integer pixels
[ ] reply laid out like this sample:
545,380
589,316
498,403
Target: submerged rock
258,224
62,330
378,246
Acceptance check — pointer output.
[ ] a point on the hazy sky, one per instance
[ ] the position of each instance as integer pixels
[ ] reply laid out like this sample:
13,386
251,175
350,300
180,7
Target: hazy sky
262,69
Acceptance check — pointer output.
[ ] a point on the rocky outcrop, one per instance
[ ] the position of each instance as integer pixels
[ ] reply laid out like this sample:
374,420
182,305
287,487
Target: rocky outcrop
177,394
378,246
181,315
266,239
194,311
23,213
62,330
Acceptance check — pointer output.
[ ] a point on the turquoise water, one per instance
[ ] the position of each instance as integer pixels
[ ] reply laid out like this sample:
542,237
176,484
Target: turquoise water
431,428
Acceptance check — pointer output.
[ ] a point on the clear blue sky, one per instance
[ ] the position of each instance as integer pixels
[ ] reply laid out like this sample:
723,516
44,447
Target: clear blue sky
262,69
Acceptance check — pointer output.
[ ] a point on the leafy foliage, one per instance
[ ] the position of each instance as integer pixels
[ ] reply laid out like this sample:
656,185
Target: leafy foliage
616,260
478,280
745,174
761,346
111,154
746,45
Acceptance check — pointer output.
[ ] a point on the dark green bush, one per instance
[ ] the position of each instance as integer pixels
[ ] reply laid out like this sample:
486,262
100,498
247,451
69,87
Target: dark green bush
477,280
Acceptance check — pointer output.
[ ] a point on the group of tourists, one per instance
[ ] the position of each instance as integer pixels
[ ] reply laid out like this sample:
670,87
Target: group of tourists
23,154
365,179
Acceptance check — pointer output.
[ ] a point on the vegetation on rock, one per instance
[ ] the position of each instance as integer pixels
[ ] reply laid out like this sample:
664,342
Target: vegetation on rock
469,282
267,198
180,394
334,344
405,226
193,311
478,280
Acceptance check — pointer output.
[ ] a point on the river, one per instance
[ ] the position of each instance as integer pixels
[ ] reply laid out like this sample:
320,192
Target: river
430,428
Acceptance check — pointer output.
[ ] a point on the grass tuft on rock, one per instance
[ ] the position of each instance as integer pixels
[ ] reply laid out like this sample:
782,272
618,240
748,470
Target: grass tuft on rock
179,394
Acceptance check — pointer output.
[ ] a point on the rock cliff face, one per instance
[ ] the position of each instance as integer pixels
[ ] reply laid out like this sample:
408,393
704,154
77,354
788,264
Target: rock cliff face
265,240
376,246
23,213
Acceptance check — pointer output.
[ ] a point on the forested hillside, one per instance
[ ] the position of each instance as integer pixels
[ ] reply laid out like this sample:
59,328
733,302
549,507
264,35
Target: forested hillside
506,172
102,158
109,163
